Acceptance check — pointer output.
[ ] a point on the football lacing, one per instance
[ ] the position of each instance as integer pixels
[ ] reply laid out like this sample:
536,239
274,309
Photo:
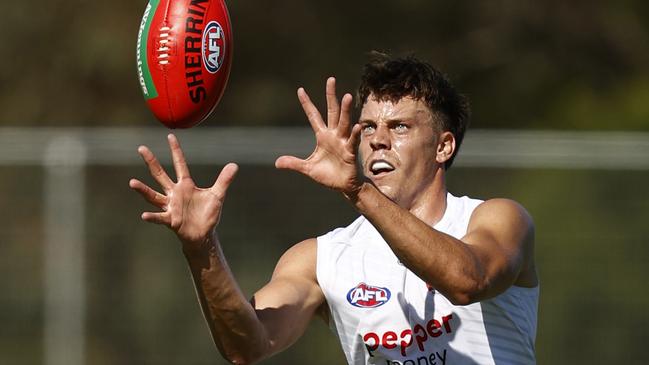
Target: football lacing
163,55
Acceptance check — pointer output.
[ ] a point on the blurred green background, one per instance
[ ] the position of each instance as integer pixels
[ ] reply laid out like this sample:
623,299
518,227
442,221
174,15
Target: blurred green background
577,66
525,64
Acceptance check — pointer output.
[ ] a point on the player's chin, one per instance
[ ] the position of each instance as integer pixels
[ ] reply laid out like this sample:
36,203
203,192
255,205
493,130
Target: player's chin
386,189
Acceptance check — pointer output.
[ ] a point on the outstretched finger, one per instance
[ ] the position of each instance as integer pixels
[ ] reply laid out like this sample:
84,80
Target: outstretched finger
345,116
155,168
291,163
312,113
157,218
147,193
225,178
178,157
333,108
354,138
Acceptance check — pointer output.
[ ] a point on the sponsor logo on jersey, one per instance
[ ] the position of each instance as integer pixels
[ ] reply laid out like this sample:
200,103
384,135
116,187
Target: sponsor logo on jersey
420,335
368,296
213,46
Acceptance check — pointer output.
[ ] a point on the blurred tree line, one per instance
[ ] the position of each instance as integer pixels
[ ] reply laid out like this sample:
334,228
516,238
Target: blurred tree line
525,64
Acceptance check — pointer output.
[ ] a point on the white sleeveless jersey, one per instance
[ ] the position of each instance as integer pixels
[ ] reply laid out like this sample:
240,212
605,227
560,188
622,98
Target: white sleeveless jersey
384,314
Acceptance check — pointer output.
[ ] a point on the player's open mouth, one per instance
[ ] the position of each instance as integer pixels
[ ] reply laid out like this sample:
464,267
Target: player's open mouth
380,167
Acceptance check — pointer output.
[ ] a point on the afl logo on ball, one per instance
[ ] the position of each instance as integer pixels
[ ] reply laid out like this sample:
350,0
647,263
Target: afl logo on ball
213,46
368,296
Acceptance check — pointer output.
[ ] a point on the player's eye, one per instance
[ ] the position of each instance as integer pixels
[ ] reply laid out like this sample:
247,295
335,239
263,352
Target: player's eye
400,128
367,129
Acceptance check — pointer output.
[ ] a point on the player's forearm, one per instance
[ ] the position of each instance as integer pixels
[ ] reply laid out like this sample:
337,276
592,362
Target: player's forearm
441,260
233,323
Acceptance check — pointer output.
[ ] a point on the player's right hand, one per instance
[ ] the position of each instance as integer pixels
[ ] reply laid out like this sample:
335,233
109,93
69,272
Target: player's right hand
191,212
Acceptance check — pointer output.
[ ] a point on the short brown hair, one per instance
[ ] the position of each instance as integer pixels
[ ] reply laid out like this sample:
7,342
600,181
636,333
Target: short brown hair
391,79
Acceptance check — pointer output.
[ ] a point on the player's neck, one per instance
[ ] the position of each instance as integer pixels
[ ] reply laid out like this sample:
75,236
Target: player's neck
430,204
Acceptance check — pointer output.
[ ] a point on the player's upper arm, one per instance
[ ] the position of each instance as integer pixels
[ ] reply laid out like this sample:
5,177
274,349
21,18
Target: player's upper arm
501,236
289,301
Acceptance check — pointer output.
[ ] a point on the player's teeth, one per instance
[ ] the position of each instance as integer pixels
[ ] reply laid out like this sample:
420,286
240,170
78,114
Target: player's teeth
381,165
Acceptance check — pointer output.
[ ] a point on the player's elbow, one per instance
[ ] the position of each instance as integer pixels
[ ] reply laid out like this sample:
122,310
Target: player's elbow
241,358
236,360
458,299
470,290
473,289
245,356
241,361
464,297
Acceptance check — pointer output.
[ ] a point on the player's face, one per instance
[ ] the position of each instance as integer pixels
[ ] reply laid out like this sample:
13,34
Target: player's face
398,147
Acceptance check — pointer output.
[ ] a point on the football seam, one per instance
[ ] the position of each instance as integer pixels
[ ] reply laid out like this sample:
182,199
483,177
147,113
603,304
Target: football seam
165,20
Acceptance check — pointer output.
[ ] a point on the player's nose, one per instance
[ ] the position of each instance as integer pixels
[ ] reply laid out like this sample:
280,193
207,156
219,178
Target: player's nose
380,139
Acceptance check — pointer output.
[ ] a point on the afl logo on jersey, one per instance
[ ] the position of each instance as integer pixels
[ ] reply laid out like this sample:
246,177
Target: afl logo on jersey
368,296
213,47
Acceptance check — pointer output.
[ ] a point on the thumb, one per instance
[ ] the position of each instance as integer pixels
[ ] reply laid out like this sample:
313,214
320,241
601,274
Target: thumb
291,163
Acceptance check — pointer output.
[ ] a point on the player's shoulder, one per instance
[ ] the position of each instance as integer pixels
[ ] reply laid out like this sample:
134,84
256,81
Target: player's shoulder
503,205
303,248
506,211
299,259
344,234
306,251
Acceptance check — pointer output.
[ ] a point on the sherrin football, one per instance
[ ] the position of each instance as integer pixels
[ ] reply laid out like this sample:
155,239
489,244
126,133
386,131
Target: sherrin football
184,54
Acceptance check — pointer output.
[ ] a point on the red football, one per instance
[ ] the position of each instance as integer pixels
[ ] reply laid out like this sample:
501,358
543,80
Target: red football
184,53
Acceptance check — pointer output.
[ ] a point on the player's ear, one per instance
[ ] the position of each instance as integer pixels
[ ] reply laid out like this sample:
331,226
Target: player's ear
445,147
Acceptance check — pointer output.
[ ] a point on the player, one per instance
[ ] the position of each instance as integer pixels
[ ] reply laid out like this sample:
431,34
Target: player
421,277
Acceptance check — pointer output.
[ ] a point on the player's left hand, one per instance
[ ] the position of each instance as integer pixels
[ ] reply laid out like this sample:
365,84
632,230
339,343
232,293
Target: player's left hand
333,162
